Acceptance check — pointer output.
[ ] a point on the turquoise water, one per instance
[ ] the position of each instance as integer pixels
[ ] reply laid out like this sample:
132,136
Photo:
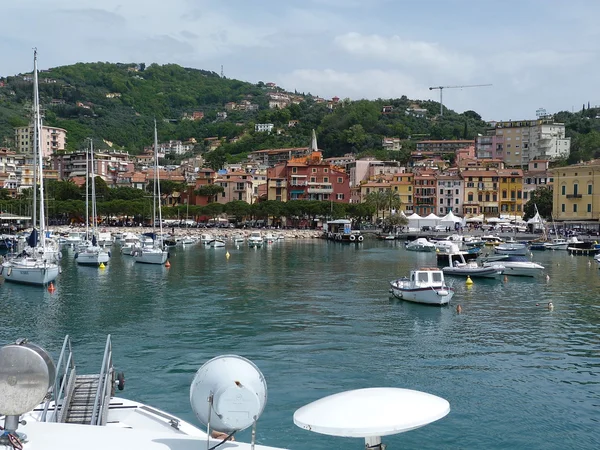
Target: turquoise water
317,319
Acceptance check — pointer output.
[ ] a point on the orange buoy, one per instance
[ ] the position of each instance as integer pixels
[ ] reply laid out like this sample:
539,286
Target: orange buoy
505,278
51,288
167,264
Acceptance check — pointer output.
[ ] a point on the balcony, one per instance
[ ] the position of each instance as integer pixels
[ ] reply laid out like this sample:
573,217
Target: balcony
320,190
574,196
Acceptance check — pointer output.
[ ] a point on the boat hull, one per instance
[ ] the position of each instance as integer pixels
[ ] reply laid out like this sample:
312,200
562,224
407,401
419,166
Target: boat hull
34,273
426,296
479,272
92,258
522,269
151,257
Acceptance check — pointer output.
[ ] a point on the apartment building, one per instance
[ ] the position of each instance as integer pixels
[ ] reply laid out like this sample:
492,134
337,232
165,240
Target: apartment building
511,191
537,174
518,142
450,193
574,198
52,140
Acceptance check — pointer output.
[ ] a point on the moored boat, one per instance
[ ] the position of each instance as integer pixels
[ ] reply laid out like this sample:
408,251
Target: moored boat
516,265
421,245
458,266
425,285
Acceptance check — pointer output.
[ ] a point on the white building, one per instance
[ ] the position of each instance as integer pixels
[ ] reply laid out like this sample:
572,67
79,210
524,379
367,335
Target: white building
450,194
263,127
53,139
391,144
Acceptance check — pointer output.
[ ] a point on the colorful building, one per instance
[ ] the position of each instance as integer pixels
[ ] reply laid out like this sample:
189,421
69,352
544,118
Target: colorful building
573,194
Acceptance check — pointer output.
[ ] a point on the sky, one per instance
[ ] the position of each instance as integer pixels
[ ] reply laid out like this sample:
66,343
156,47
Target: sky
534,53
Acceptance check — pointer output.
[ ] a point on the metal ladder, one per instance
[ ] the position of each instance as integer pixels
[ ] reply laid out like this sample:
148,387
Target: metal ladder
81,399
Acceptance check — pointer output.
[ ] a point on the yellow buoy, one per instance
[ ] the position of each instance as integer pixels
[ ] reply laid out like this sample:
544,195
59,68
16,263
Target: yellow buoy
102,266
469,281
227,255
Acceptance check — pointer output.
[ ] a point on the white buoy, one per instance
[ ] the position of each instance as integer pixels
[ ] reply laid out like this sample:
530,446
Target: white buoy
547,277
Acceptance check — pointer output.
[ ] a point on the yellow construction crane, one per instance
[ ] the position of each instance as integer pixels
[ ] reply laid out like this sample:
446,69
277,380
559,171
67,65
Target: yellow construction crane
441,88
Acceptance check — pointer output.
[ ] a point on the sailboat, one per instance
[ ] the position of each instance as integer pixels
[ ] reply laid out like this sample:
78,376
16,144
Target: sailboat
91,254
155,253
37,263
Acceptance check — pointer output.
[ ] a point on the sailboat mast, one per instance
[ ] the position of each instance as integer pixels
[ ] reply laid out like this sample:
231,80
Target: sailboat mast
42,236
157,180
87,191
36,139
93,188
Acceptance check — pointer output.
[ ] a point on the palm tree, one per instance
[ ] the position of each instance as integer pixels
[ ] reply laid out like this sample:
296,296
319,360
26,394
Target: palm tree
377,199
392,200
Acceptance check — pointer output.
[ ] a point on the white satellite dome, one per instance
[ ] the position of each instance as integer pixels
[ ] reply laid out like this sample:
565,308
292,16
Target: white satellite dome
228,392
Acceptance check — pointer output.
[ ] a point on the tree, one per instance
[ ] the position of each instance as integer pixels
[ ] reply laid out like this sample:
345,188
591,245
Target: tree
542,198
210,191
215,159
378,200
392,200
239,209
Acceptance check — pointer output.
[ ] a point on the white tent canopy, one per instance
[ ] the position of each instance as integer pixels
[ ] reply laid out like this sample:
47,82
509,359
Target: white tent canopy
450,219
430,221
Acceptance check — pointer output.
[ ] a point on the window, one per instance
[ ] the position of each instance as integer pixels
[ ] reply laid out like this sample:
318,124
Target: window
441,192
223,194
456,201
575,208
562,207
294,170
313,180
340,180
325,179
563,190
589,208
589,190
325,170
456,191
314,170
504,195
470,197
575,189
339,196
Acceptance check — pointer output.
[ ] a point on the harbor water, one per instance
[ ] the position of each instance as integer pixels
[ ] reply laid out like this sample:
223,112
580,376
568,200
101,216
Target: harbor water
316,317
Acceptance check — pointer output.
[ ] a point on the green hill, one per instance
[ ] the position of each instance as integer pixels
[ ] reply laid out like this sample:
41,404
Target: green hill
79,98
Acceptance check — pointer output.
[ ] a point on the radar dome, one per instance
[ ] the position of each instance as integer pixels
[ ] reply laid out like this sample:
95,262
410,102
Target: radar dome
229,392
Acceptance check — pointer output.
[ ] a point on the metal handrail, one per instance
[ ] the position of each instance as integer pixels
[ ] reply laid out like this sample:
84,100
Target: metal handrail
104,381
64,371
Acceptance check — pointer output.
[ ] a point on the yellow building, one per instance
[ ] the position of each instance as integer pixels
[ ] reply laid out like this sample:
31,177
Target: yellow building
481,191
574,198
511,191
402,184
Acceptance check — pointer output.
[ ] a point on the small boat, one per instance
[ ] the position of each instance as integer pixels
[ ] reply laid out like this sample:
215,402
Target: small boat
515,265
511,248
216,243
425,285
491,240
459,267
557,244
239,238
255,240
206,238
421,245
270,238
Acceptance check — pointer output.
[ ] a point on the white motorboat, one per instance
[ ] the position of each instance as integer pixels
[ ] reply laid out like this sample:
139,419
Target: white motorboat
421,245
511,248
75,237
156,254
217,243
557,244
459,267
55,407
206,238
270,238
37,264
516,265
105,239
129,242
255,239
188,240
425,285
239,238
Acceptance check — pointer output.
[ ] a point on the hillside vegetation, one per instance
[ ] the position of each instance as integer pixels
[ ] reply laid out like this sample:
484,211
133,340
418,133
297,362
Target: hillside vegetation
75,98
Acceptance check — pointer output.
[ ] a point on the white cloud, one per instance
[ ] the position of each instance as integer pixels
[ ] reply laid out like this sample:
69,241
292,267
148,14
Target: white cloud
372,83
408,53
